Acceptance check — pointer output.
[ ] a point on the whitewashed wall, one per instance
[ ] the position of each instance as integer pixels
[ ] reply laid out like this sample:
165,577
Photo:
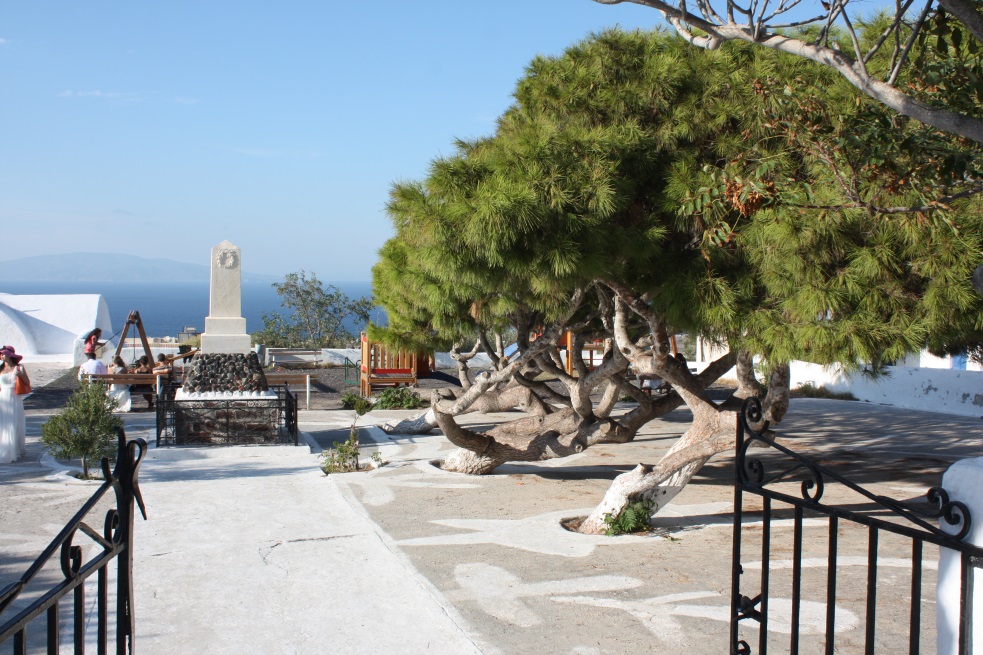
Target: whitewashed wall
46,327
931,389
14,330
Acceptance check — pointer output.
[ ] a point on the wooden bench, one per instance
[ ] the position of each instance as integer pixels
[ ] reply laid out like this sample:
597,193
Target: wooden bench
291,378
383,367
155,380
293,356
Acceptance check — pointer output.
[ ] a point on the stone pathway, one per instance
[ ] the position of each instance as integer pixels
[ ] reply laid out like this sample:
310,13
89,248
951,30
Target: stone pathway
265,554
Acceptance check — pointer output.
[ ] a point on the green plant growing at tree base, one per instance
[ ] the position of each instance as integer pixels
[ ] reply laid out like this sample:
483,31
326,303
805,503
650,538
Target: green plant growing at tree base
633,518
86,429
343,458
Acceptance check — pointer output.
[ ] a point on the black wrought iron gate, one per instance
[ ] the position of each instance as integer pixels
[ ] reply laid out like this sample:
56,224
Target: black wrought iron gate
114,543
910,524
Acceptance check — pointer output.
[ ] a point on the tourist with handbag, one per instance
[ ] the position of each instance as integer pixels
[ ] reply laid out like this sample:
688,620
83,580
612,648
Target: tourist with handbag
14,385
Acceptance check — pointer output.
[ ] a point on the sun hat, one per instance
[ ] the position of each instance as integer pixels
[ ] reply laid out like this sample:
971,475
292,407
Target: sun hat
8,351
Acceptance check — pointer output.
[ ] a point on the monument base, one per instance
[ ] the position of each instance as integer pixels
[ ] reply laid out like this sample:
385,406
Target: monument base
225,343
225,325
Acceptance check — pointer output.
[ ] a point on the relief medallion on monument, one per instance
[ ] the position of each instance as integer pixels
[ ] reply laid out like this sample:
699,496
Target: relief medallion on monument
227,258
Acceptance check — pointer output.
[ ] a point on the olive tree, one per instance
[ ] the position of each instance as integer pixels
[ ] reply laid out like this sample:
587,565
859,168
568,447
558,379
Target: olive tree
85,429
317,314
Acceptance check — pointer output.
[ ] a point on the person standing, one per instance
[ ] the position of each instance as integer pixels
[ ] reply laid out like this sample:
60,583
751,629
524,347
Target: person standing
13,428
92,343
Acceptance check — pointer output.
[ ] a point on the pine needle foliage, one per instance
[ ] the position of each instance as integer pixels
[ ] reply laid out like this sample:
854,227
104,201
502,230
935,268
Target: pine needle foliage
689,178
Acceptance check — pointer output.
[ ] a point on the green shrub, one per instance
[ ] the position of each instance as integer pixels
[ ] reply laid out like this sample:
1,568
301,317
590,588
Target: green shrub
351,400
85,429
343,458
399,398
633,518
808,390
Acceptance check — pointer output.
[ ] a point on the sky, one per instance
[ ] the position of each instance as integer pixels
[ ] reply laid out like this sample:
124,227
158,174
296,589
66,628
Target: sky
160,129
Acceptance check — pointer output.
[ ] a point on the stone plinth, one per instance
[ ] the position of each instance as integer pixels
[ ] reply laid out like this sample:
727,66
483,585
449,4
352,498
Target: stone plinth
225,328
227,421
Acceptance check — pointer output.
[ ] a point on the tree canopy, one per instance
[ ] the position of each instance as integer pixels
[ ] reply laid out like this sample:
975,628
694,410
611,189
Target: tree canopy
635,161
638,188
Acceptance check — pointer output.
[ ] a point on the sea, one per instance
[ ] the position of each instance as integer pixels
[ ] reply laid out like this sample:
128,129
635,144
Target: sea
166,309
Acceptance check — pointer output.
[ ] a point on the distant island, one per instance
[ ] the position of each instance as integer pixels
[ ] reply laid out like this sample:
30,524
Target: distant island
101,267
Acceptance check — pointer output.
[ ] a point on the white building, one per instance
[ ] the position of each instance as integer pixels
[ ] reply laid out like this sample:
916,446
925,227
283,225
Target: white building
49,328
951,384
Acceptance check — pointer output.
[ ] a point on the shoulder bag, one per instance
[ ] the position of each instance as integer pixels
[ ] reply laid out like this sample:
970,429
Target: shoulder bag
21,388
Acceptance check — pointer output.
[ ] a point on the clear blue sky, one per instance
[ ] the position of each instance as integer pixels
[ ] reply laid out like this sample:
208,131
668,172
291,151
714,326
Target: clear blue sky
161,128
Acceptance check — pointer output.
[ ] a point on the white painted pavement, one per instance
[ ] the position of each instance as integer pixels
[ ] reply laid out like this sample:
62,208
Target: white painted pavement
256,555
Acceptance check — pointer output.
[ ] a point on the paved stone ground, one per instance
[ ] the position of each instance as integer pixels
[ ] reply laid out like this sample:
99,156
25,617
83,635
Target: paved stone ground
267,555
495,548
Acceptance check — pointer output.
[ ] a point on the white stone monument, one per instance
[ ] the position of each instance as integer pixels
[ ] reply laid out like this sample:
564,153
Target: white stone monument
225,328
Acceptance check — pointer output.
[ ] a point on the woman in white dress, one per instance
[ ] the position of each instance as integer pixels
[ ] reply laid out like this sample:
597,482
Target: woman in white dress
13,429
121,392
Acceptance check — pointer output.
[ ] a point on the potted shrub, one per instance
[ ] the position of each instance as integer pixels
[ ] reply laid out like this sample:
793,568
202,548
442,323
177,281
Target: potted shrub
85,429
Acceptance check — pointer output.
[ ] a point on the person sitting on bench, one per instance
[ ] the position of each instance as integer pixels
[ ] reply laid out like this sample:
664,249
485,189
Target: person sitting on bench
120,392
162,365
92,366
147,390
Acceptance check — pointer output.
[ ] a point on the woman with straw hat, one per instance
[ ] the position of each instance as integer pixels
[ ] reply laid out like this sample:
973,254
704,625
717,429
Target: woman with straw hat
12,425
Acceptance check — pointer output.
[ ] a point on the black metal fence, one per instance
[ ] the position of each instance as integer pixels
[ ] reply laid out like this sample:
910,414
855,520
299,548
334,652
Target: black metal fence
227,421
114,543
908,527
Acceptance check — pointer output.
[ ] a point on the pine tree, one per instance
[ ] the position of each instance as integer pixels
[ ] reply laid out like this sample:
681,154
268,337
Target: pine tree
619,198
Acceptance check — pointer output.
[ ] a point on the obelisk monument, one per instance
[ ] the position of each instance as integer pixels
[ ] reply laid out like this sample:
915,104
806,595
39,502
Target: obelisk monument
225,328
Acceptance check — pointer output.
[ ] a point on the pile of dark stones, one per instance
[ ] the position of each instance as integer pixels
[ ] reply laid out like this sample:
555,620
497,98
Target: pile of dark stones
220,372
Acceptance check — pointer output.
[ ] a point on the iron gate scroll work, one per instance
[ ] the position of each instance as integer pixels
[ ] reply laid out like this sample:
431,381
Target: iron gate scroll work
907,521
115,542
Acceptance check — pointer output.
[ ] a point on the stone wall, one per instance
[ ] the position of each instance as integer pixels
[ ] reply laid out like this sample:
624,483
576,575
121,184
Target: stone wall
948,391
219,372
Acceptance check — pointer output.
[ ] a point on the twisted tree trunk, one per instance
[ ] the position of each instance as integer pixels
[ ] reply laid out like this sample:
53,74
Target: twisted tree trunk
484,383
747,384
711,432
427,421
535,438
